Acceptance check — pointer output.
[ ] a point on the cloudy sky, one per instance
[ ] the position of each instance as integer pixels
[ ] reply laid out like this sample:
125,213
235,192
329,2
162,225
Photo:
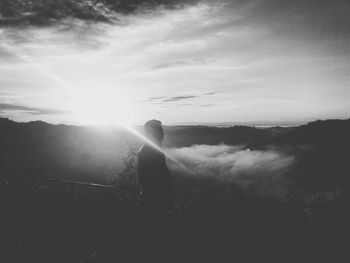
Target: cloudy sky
206,61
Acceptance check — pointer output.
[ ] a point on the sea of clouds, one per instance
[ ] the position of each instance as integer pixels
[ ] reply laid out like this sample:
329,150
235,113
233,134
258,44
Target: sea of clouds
265,171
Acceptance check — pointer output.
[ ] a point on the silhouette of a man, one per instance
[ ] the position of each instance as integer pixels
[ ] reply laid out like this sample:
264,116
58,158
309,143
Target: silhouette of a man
156,198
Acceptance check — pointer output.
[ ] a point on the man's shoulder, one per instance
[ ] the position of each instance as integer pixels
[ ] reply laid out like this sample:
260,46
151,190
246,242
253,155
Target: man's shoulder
147,151
144,151
141,152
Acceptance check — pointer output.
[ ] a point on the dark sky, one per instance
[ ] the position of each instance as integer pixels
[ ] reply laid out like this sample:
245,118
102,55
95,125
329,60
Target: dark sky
202,61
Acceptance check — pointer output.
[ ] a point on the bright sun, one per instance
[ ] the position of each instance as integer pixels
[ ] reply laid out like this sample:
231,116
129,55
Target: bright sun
103,108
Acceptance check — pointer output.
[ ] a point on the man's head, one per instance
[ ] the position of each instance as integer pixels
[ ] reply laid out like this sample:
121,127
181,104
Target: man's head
154,131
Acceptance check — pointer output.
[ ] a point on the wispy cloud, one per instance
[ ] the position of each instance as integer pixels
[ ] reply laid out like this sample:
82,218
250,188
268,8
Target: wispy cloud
178,98
165,99
4,107
207,105
181,63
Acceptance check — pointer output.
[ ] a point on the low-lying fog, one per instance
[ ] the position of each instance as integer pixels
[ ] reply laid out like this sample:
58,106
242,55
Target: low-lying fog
264,171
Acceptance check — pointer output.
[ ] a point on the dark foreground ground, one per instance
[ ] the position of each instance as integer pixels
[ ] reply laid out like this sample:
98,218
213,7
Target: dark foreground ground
60,222
43,221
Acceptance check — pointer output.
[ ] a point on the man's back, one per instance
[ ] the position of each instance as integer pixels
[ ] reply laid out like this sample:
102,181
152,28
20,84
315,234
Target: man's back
154,178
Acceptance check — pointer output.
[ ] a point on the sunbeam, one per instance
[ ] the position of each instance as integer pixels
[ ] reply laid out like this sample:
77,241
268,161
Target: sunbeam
152,144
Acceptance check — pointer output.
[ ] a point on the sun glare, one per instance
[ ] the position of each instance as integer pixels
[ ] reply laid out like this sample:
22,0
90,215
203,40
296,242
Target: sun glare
102,108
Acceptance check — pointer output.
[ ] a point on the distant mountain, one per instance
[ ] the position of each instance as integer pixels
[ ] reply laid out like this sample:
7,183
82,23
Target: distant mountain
181,136
256,124
37,149
327,132
323,154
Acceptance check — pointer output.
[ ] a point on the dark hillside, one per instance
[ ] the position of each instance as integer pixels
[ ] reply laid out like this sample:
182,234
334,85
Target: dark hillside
322,148
182,136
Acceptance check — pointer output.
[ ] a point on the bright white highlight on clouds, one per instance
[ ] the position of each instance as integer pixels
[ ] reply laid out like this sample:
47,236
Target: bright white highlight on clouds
248,68
263,171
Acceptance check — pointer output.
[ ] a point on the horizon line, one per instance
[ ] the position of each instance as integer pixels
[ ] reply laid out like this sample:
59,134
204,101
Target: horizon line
197,123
